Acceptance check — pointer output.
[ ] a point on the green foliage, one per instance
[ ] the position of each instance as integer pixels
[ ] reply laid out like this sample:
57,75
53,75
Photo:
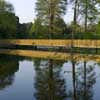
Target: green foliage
49,11
92,9
48,81
6,6
7,25
7,20
86,12
38,30
49,20
43,7
23,30
98,28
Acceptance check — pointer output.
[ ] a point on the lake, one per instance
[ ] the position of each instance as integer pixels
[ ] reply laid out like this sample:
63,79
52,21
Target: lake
29,78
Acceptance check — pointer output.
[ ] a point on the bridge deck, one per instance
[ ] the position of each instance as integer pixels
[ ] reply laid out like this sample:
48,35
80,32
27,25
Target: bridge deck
61,43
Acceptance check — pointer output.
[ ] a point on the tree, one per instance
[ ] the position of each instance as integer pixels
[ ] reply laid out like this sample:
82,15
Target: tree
6,6
7,20
86,10
97,28
75,4
39,30
2,5
23,30
7,25
49,10
89,11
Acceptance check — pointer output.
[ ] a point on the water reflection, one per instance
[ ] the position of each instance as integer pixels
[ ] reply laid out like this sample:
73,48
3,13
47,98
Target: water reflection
83,80
86,80
51,80
8,67
49,84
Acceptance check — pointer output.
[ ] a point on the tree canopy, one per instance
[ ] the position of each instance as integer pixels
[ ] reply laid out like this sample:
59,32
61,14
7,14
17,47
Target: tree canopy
7,20
49,21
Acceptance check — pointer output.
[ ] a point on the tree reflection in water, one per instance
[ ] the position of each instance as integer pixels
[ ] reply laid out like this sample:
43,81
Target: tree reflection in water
86,80
8,67
49,84
83,79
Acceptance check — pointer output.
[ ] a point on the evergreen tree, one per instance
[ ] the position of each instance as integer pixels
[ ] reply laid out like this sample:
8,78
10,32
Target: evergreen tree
50,10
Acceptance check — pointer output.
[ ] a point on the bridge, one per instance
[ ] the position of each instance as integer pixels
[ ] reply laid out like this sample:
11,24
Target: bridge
52,42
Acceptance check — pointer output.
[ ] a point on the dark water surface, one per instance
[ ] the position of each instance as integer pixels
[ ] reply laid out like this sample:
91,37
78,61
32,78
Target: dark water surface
38,79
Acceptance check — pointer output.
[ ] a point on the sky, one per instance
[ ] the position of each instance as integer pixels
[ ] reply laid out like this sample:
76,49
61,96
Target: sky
25,10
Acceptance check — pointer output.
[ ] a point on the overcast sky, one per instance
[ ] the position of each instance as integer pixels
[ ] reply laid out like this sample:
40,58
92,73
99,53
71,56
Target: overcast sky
25,10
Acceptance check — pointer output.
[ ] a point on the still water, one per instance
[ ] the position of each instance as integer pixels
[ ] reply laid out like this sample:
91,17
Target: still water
39,79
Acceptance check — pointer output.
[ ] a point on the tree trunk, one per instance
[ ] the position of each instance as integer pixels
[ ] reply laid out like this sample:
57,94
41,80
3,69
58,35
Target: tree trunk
74,22
51,18
75,12
86,15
